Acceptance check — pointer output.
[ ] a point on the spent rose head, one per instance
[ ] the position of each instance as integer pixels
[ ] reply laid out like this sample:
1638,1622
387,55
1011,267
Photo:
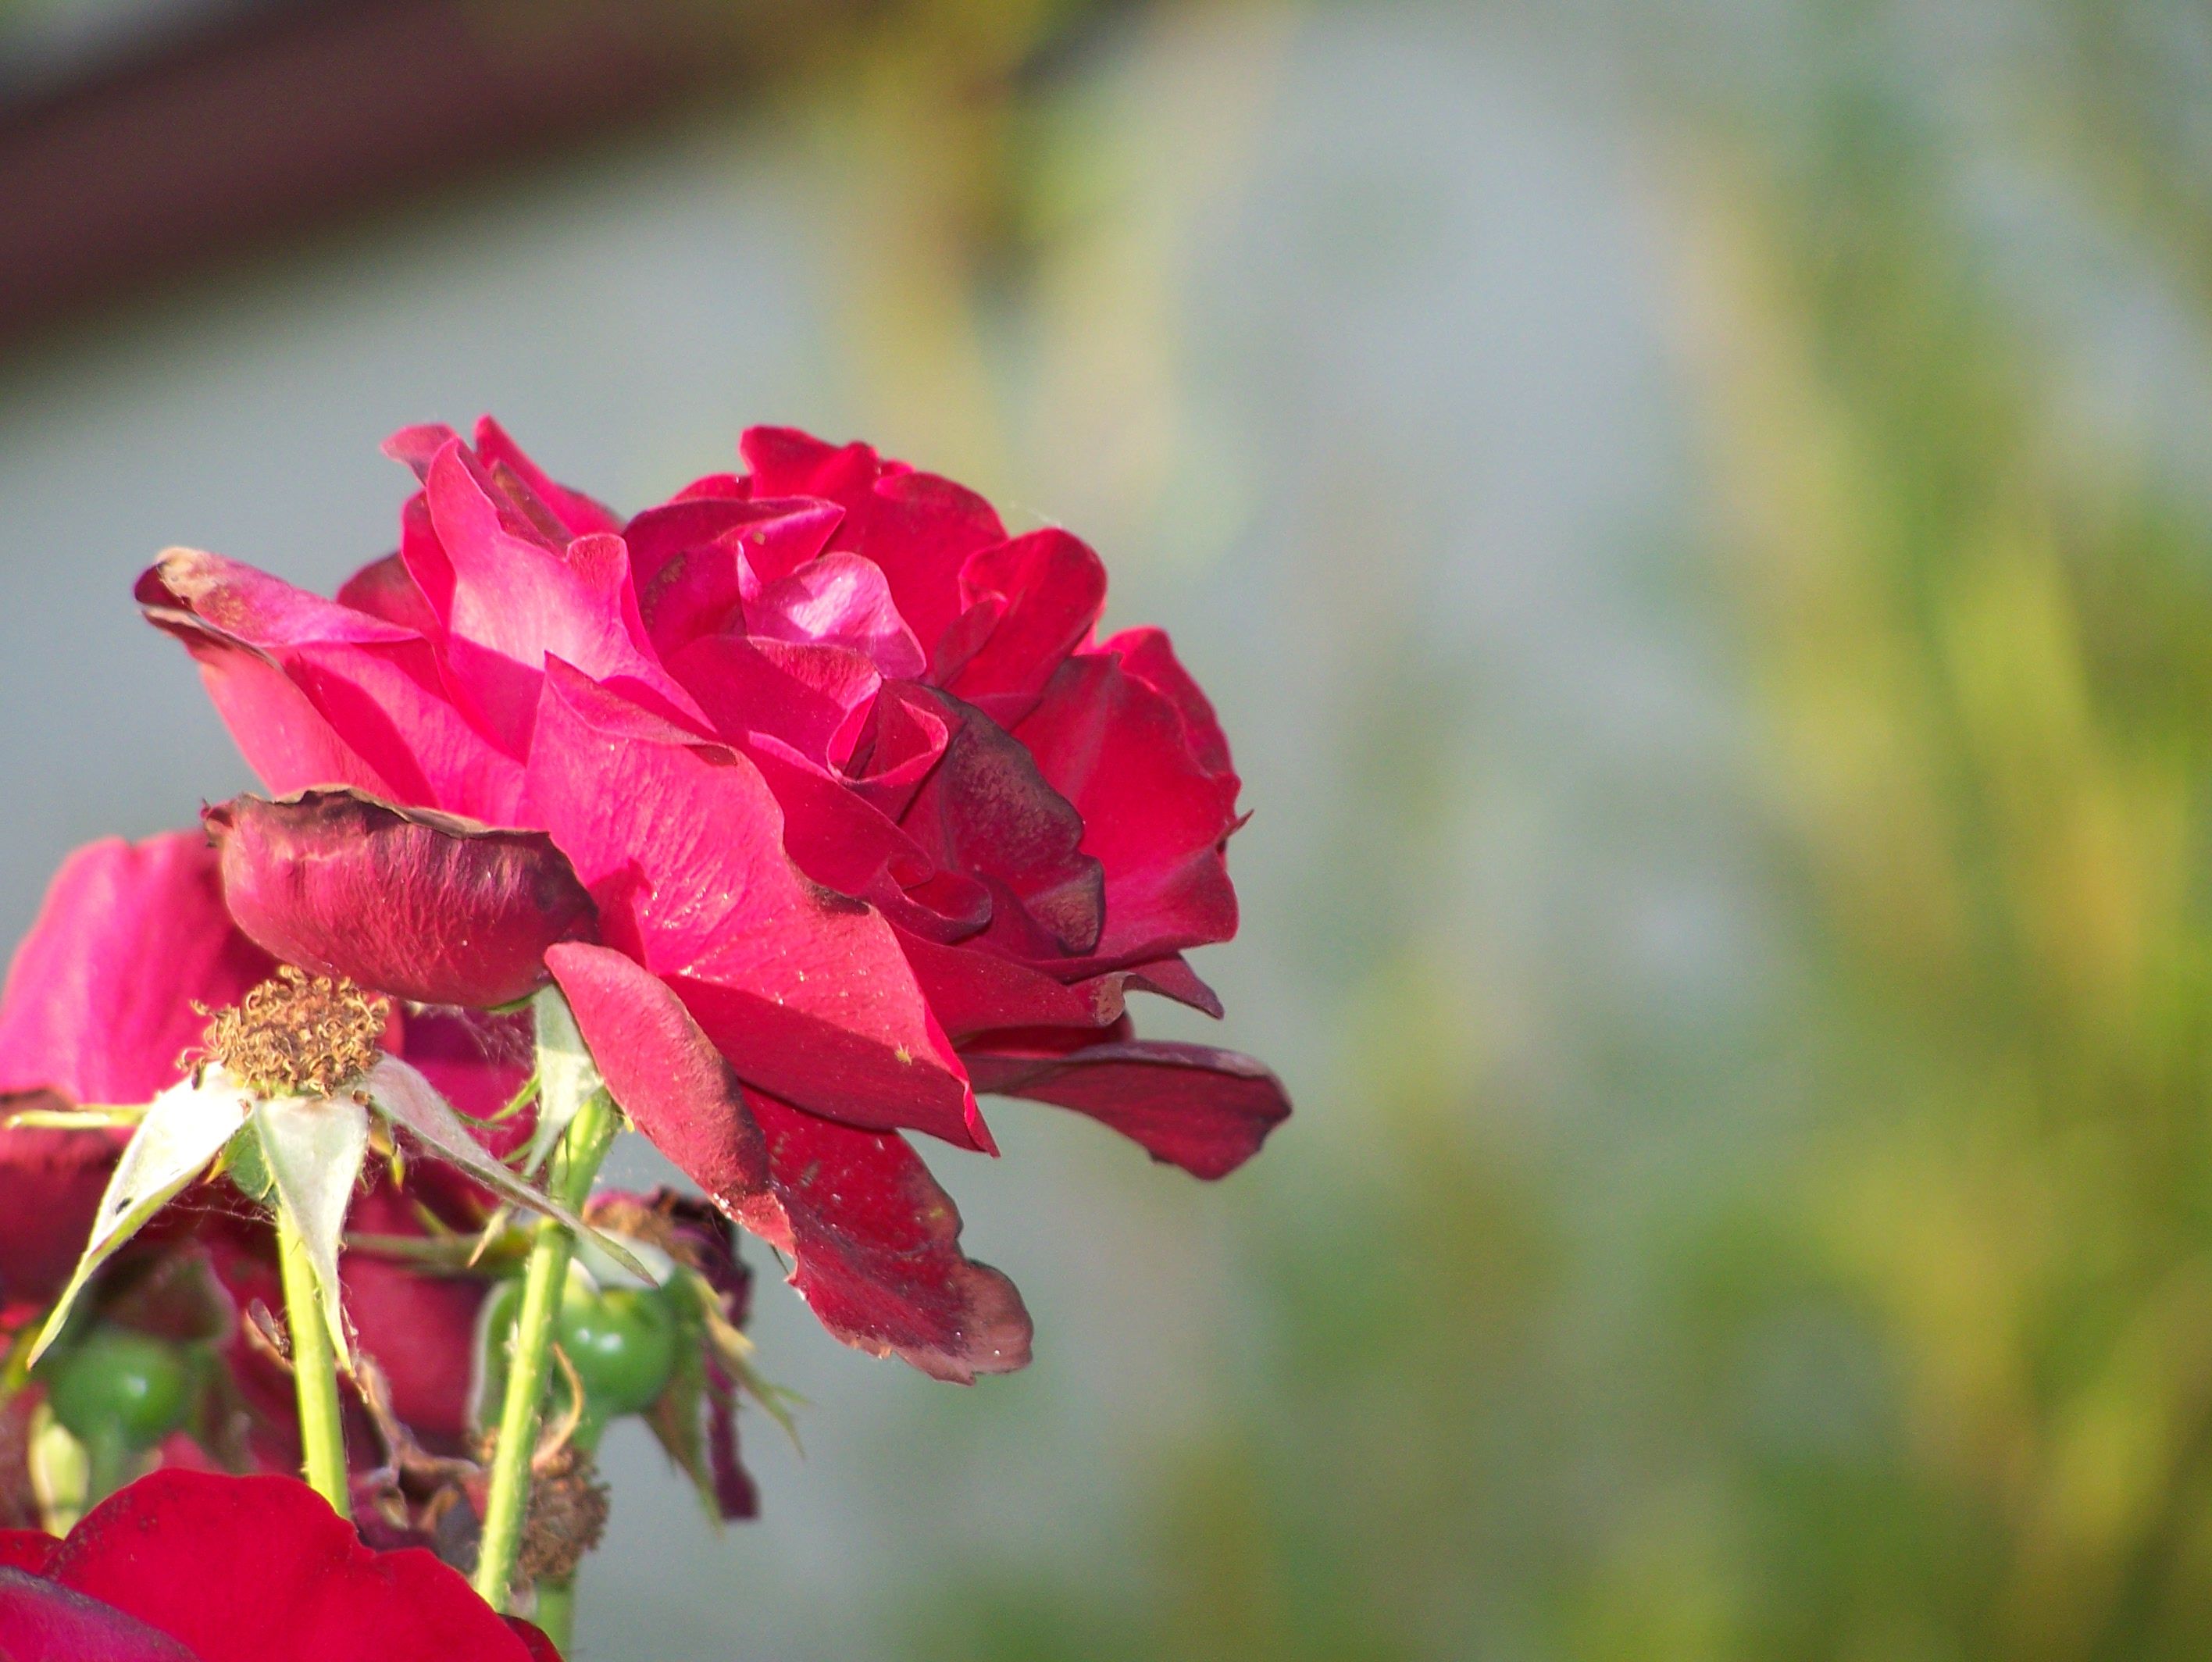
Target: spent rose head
813,789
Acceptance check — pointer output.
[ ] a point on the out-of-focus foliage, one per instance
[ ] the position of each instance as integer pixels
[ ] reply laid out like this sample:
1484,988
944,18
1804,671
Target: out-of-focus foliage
1927,1371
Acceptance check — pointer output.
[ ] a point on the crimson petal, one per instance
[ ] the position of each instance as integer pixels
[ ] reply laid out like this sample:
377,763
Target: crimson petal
241,1569
1205,1110
42,1623
408,901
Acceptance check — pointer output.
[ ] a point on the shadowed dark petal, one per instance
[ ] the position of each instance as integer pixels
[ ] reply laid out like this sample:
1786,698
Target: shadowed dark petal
407,902
42,1623
50,1185
1205,1110
987,809
973,991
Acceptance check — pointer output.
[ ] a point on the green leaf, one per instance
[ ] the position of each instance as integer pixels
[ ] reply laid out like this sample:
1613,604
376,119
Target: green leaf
185,1128
313,1148
566,1076
410,1099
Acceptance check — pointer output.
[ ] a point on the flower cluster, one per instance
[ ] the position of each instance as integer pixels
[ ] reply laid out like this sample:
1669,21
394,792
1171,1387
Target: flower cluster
784,818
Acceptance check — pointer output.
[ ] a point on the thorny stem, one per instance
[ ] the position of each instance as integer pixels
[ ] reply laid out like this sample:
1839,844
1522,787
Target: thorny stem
582,1148
314,1369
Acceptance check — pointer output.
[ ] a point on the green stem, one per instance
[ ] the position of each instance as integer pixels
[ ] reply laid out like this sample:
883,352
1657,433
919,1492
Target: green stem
314,1369
557,1611
582,1148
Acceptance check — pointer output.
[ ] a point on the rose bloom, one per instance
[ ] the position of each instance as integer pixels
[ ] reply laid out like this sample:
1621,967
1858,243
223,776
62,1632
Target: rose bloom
813,789
194,1566
104,1003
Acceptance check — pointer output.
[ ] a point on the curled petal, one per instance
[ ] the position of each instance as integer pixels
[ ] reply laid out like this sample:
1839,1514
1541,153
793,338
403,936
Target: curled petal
408,901
316,692
974,991
1049,589
81,1016
1205,1110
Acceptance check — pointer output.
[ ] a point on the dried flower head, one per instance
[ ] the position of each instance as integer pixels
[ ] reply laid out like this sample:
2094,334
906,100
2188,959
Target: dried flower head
568,1516
298,1035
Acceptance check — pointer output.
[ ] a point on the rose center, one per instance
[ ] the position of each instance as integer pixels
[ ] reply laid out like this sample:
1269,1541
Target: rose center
298,1035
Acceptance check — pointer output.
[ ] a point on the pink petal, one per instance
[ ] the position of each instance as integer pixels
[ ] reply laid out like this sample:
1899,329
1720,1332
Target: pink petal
918,528
370,708
1147,654
813,697
1205,1110
838,600
99,1004
578,514
510,601
805,990
244,1569
385,589
1155,816
875,1249
691,559
409,902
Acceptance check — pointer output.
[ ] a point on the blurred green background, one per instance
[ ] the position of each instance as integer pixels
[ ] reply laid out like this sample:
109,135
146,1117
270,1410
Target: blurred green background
1697,516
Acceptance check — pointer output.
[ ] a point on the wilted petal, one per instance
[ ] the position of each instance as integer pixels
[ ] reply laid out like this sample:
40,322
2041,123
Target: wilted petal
805,990
99,1004
407,902
875,1249
1205,1110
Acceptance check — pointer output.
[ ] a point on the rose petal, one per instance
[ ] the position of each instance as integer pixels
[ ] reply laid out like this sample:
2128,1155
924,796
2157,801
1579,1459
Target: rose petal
1207,1111
406,901
42,1623
578,514
1155,818
50,1182
243,1569
973,990
987,809
81,1015
919,529
663,1071
1052,588
875,1249
804,990
837,600
316,692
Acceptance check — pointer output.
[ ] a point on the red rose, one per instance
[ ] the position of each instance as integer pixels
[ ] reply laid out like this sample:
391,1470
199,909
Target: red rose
193,1566
867,818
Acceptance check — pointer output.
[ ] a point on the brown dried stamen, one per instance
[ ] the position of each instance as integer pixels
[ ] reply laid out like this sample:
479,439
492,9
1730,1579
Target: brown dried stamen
568,1516
298,1035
